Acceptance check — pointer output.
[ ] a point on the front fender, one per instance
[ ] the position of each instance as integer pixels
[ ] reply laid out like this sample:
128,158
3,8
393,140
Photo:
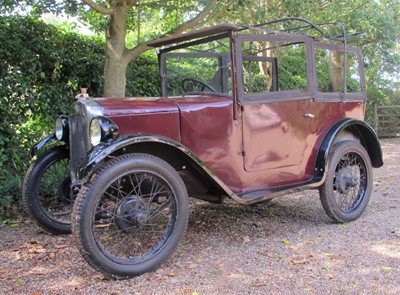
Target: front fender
95,157
41,144
368,137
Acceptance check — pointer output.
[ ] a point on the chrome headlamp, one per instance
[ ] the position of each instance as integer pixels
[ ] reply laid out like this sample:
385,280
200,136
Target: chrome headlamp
102,129
61,129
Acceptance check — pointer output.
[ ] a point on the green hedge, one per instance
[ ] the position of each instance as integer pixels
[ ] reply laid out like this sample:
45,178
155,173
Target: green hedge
41,70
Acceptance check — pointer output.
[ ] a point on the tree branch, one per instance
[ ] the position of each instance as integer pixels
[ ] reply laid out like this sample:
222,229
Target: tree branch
194,21
140,48
133,3
136,51
99,8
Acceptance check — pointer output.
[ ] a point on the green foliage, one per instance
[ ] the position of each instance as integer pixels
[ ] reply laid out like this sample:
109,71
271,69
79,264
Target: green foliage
39,74
39,6
41,70
142,77
292,67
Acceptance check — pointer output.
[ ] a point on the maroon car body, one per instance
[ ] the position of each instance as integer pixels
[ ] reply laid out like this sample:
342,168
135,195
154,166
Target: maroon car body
267,150
245,112
235,149
254,146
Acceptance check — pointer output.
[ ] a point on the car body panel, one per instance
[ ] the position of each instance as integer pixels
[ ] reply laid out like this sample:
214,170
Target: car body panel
208,129
204,125
284,120
143,115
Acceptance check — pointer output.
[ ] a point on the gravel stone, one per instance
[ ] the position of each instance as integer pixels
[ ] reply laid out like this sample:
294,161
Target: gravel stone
288,246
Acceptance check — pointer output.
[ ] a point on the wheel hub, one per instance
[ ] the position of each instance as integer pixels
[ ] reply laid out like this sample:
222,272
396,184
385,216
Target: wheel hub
64,190
345,181
130,214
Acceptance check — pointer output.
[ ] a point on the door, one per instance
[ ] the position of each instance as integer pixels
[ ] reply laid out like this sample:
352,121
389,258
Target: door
274,90
275,135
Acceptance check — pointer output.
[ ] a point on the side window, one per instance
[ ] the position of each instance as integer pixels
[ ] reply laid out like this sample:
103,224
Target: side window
259,74
273,67
330,69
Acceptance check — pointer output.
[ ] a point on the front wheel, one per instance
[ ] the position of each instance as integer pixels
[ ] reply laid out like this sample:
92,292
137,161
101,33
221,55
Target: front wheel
347,189
46,191
131,216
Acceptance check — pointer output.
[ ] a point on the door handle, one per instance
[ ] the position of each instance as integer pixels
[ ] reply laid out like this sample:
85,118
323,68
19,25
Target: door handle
308,115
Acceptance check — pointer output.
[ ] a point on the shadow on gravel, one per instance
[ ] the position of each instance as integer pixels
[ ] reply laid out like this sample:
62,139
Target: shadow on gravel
303,209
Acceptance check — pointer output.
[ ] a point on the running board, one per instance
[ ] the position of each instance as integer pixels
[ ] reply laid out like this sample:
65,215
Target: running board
258,196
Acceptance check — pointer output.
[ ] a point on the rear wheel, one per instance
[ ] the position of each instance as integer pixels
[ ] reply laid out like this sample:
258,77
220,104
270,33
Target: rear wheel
46,191
131,216
347,189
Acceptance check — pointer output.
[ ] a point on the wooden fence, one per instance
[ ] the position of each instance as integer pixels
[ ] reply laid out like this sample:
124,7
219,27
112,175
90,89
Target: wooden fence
387,120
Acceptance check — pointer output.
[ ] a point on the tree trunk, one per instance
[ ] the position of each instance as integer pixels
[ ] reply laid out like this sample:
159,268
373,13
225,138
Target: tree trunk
117,55
265,67
115,61
336,70
114,77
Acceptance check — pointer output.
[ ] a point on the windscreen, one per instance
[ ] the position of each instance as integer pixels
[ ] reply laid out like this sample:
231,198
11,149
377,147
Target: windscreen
201,68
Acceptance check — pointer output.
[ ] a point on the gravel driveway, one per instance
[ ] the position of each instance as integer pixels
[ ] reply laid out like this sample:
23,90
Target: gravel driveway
289,246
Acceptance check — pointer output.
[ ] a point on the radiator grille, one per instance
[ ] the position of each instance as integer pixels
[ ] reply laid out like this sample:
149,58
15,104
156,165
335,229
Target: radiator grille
80,116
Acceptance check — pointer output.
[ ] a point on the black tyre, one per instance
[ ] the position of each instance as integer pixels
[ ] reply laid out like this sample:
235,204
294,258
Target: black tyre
131,216
46,191
347,189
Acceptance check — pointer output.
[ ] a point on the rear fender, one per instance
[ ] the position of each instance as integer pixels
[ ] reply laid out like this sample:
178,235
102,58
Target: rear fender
361,130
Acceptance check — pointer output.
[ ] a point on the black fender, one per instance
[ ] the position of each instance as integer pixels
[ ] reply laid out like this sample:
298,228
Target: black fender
38,146
363,130
96,156
100,153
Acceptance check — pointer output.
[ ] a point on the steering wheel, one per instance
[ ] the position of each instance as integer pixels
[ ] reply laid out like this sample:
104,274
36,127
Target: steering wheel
189,85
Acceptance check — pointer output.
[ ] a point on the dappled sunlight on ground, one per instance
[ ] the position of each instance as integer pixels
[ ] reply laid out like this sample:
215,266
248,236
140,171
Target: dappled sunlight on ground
288,246
390,250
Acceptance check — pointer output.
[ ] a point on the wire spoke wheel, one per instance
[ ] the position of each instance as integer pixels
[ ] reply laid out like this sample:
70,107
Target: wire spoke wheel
135,216
347,189
132,215
350,182
54,191
46,191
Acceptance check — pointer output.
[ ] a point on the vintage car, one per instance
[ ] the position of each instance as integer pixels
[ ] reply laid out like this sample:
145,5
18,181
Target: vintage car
246,112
